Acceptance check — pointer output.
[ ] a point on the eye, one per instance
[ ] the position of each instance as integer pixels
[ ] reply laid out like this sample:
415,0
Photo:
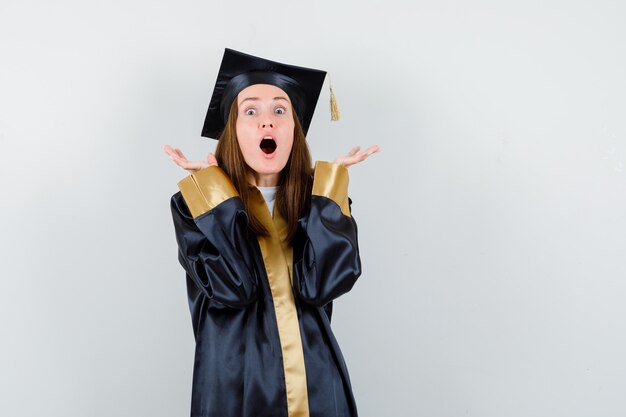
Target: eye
250,112
280,110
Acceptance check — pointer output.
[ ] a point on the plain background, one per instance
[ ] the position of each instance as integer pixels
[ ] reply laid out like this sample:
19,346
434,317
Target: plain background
492,224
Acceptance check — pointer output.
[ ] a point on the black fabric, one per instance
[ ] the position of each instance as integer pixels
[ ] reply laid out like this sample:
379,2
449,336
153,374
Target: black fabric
238,361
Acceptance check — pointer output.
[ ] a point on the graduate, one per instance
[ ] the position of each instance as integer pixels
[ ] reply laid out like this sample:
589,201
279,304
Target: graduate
267,242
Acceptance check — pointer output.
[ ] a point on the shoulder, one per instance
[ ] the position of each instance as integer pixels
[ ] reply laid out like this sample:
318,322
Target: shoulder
179,207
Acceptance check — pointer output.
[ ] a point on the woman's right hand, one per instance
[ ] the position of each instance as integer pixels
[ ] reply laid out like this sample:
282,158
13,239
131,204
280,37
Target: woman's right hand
179,159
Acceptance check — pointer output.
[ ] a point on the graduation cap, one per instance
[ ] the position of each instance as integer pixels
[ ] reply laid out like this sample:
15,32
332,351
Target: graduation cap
239,70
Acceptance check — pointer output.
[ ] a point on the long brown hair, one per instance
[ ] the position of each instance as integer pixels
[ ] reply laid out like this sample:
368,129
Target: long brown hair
294,185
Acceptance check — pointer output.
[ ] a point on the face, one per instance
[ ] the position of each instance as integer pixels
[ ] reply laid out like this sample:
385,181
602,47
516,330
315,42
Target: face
265,129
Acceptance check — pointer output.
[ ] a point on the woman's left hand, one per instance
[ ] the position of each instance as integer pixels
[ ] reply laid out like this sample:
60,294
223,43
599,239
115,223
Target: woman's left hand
354,157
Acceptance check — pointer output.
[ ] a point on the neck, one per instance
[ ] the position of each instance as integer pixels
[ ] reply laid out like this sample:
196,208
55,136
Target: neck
263,180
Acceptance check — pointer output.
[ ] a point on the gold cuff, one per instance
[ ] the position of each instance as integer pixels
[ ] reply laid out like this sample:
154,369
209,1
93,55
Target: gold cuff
205,189
331,180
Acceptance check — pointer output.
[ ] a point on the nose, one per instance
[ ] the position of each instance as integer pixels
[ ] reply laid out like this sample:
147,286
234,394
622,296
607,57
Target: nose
267,121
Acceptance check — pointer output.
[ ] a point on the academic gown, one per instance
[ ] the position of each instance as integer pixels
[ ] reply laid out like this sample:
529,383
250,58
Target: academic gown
261,308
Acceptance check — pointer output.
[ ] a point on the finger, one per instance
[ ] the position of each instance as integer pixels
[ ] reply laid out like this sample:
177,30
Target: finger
168,150
174,154
212,160
175,157
360,158
354,150
184,163
372,150
180,162
368,152
179,153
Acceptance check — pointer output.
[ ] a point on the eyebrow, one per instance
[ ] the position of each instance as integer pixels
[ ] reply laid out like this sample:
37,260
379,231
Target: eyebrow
256,98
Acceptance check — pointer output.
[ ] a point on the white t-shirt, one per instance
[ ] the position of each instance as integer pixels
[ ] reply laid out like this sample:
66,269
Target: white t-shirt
269,194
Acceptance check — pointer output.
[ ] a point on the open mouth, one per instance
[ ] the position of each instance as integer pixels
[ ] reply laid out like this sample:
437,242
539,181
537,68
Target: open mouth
268,145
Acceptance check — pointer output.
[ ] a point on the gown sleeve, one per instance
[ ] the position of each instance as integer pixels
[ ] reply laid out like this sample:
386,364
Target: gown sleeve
327,260
211,228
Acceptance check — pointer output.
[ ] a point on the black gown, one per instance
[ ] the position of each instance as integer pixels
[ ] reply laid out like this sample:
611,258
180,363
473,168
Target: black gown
261,308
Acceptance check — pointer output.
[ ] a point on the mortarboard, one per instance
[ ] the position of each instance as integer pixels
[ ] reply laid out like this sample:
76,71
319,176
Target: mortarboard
239,70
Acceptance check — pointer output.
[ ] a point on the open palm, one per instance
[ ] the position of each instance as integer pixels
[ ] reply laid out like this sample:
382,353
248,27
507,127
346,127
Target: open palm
181,160
354,157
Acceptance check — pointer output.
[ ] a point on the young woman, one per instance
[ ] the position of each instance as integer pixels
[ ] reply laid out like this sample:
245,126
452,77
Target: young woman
267,243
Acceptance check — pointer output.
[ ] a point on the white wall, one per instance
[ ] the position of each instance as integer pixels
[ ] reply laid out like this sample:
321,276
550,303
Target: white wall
492,223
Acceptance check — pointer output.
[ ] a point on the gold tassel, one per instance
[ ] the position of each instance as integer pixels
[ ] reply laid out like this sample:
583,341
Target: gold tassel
334,108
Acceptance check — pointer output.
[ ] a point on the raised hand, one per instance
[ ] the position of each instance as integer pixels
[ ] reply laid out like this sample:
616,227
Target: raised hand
354,157
181,160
